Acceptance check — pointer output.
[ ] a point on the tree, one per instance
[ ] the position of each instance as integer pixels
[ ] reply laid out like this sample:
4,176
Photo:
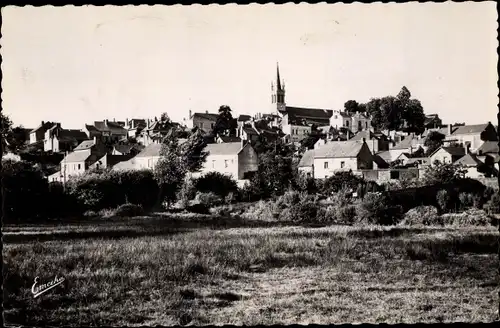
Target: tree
164,118
16,139
5,129
309,141
193,152
276,170
351,106
412,111
433,141
170,170
225,122
444,173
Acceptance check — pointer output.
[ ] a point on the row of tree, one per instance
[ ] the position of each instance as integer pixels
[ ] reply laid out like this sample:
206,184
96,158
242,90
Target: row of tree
400,112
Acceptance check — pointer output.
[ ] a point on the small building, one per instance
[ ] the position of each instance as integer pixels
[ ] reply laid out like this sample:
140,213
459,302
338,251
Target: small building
226,139
38,133
247,133
447,154
341,156
106,131
306,163
58,139
243,119
204,121
375,141
83,156
134,126
471,163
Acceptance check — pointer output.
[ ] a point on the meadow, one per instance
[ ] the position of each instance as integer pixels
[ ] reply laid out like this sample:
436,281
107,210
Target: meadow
200,270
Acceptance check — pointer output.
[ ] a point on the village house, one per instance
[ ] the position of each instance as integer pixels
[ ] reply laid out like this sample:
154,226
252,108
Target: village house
225,139
243,119
341,156
58,139
432,121
83,156
473,166
375,141
472,135
236,159
106,131
108,161
447,154
247,133
38,133
134,127
154,132
297,131
204,121
355,122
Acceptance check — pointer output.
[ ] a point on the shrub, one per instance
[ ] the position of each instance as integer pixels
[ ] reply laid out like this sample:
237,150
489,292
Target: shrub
304,211
376,208
467,200
472,217
199,208
306,184
224,210
232,197
129,210
444,200
421,215
493,205
208,199
341,180
186,193
335,214
216,183
262,210
290,198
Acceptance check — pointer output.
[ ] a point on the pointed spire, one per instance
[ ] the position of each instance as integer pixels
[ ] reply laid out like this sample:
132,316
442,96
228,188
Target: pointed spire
278,82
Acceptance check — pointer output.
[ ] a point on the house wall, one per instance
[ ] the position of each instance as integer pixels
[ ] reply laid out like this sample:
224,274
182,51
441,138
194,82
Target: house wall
334,165
307,170
71,169
358,119
319,143
296,132
37,136
247,161
474,140
225,164
473,173
442,156
202,123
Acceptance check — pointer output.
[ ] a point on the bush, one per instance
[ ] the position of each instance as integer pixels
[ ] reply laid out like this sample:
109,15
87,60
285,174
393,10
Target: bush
376,208
472,217
341,180
231,198
262,210
224,210
217,183
304,211
444,200
421,215
493,205
186,193
335,214
129,210
209,199
467,200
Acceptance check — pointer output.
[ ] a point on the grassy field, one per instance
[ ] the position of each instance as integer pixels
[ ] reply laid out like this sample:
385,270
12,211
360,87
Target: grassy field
161,270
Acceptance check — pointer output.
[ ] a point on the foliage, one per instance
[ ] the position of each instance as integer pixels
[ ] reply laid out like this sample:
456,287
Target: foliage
421,215
305,183
471,217
351,106
193,152
444,199
208,199
225,123
492,206
341,180
443,173
433,141
170,169
276,171
218,183
186,193
5,129
376,208
467,200
129,210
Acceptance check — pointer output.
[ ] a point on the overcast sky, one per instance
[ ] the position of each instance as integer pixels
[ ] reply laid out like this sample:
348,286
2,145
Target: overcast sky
75,65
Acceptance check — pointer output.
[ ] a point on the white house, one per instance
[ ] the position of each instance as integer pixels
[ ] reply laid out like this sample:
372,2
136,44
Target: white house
306,163
447,154
341,156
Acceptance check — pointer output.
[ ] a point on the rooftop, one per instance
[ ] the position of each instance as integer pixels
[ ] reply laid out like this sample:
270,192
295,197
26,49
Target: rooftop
339,149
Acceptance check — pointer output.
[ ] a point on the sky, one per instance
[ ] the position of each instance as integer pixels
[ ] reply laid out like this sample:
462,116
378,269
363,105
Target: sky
76,65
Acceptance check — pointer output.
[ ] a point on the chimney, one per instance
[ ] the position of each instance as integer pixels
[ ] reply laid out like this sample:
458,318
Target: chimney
364,140
126,122
206,111
449,129
190,114
242,142
106,121
95,140
114,120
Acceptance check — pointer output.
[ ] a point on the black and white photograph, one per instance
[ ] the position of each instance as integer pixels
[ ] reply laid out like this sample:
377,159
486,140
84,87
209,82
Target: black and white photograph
260,164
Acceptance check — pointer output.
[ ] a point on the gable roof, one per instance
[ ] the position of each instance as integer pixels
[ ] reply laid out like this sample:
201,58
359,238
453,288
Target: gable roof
250,130
422,160
87,144
151,150
72,135
304,112
307,158
206,116
339,149
229,139
405,143
76,156
226,148
244,118
44,126
488,147
470,129
469,160
381,163
124,149
385,155
112,127
453,151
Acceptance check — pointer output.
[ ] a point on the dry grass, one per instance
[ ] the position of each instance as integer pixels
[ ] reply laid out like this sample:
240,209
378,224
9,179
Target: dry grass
267,275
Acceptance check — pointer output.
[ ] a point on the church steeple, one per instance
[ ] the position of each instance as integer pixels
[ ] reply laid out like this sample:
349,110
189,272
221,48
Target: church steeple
278,94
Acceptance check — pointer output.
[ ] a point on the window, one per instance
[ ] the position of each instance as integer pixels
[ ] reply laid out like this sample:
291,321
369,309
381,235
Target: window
342,165
213,164
201,125
336,117
150,162
79,166
360,126
394,174
212,125
325,165
366,125
225,163
347,123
